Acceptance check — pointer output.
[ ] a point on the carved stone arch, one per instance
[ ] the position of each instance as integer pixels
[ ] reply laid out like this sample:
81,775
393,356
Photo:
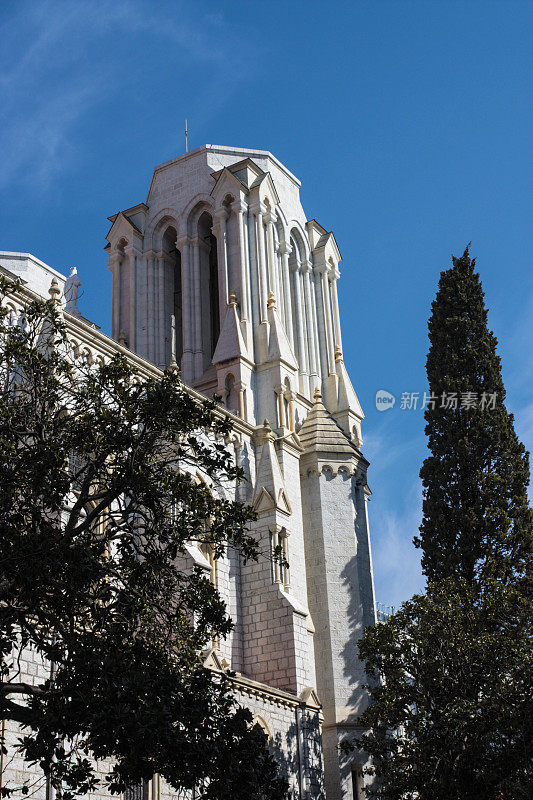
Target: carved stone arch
258,719
283,223
194,209
266,192
155,231
201,480
299,237
277,232
161,237
296,251
215,489
200,223
12,313
231,395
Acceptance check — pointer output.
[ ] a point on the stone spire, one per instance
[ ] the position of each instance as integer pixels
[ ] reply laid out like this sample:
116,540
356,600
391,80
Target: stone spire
347,409
55,292
270,492
279,348
321,434
231,344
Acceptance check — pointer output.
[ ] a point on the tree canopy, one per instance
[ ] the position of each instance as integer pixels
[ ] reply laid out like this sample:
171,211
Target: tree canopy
451,712
476,517
99,501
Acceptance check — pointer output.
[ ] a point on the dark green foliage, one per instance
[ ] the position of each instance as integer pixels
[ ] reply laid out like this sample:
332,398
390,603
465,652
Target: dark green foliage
96,508
451,717
476,519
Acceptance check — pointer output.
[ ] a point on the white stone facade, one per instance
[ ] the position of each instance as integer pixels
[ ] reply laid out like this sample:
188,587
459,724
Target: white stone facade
221,271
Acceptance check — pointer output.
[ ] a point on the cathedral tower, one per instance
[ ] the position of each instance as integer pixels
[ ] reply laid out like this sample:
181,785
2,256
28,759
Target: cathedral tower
221,272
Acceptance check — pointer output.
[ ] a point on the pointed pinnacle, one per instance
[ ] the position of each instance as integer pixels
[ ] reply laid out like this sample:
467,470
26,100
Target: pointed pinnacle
173,365
54,291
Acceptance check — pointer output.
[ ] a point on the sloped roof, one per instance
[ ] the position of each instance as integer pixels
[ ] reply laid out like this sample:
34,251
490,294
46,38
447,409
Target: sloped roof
269,491
321,434
279,348
231,344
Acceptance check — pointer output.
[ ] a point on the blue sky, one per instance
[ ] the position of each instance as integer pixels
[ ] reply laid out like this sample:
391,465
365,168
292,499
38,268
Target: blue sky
408,124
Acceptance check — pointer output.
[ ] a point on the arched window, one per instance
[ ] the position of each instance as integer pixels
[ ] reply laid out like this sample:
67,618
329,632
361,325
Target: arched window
260,720
295,291
232,400
172,256
208,552
279,547
208,286
288,405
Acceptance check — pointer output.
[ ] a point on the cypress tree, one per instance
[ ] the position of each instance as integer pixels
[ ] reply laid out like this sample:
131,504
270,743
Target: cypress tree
451,713
476,520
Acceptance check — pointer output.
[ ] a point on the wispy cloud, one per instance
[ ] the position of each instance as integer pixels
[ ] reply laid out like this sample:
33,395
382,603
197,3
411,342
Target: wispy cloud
395,510
519,374
396,562
63,60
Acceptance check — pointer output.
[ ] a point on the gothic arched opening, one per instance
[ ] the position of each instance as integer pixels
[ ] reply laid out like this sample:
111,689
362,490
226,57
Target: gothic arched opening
208,287
174,328
295,291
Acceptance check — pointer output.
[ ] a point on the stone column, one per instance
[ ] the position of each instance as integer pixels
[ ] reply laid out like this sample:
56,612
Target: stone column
258,211
197,310
311,330
273,285
148,305
290,398
187,332
240,209
285,250
240,388
220,231
281,286
275,530
161,306
334,275
299,323
144,307
280,405
314,314
114,263
327,319
154,321
132,299
285,570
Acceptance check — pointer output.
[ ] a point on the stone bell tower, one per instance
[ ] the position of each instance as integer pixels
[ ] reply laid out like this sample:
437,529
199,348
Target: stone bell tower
221,272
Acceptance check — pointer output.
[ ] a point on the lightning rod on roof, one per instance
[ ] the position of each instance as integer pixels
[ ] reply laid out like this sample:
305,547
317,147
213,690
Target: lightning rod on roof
186,138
